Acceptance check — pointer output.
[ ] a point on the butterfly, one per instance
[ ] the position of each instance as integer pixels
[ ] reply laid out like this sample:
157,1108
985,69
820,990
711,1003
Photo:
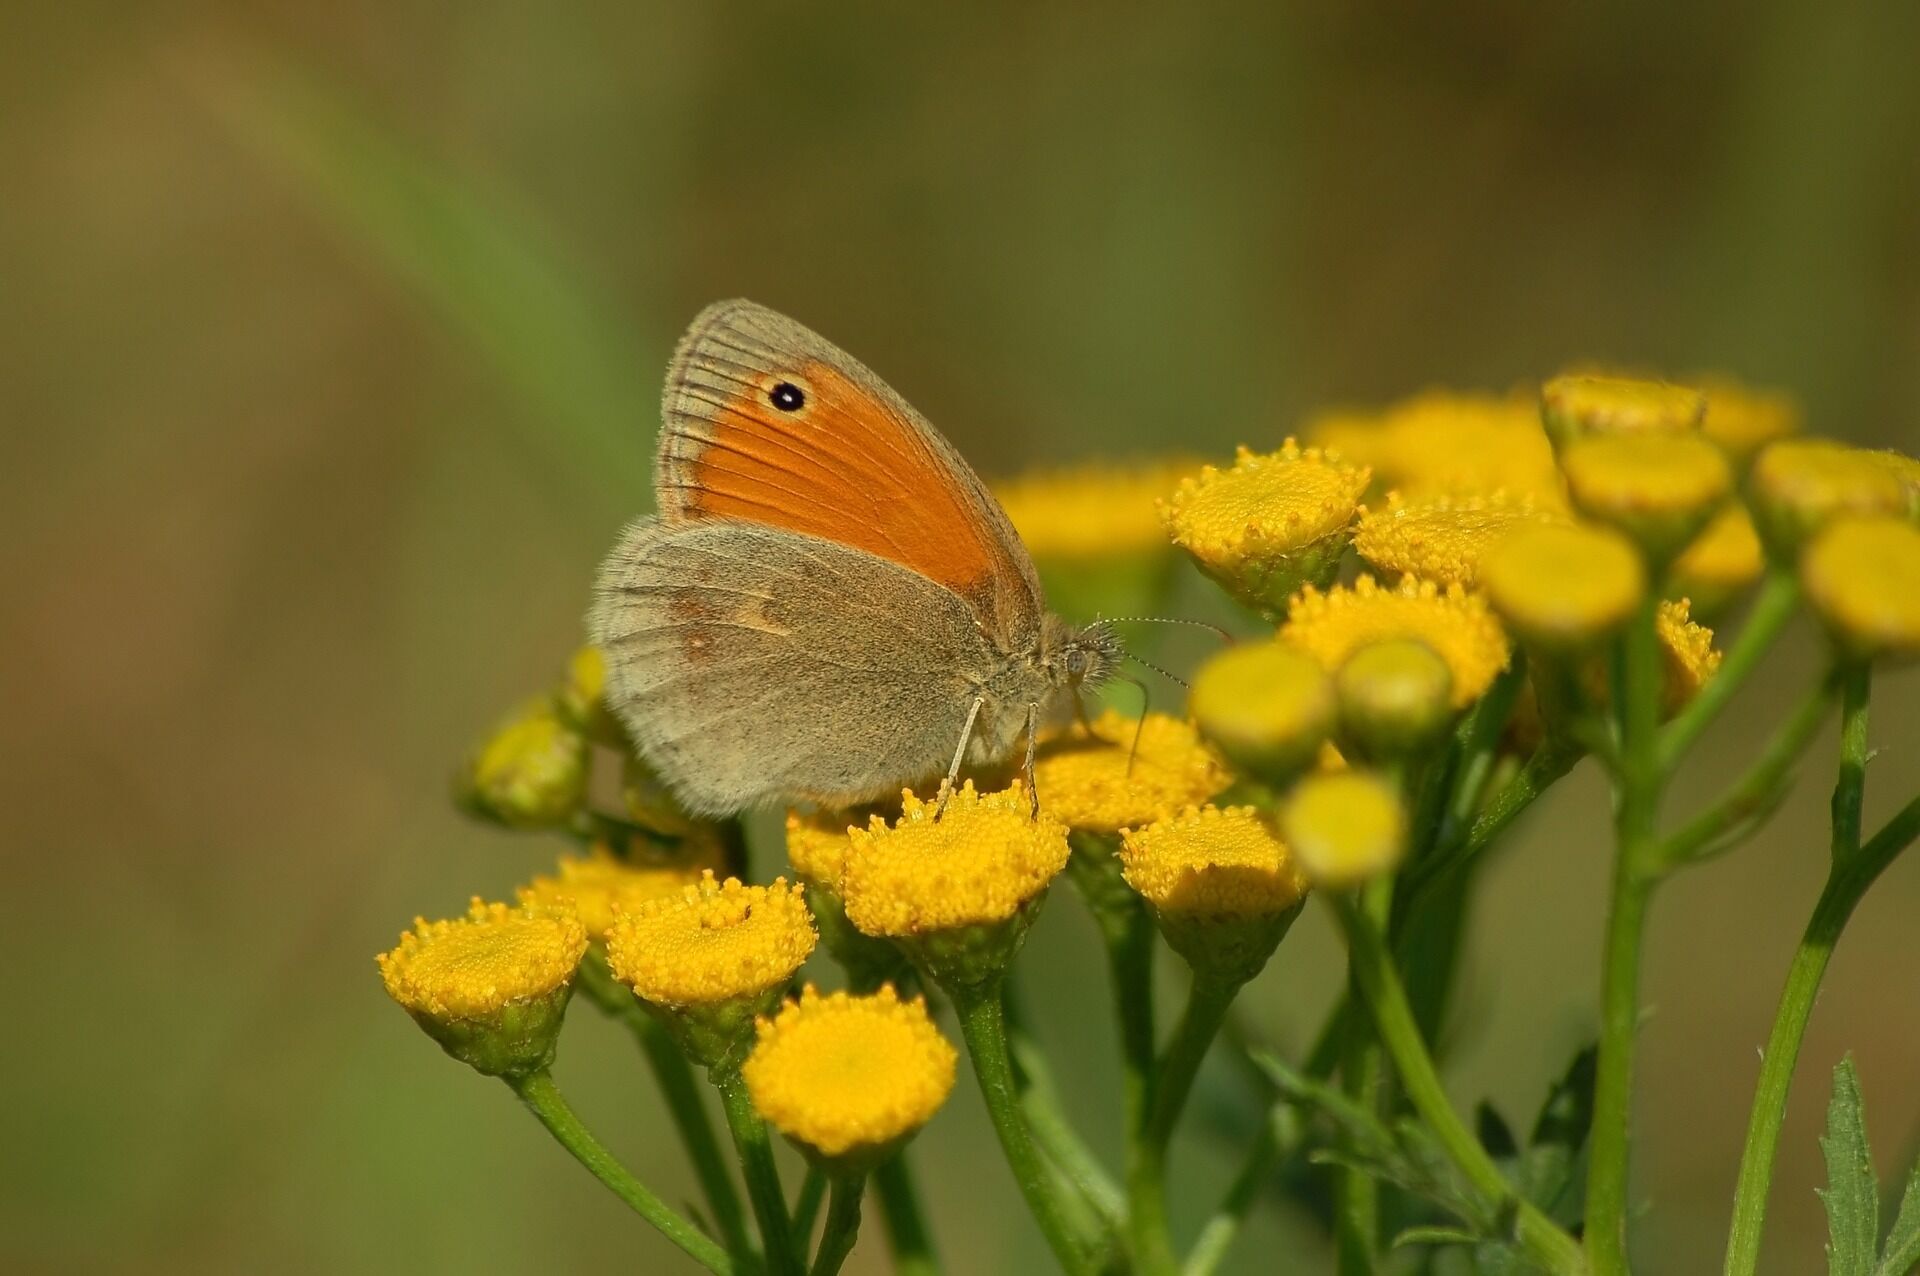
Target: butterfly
829,605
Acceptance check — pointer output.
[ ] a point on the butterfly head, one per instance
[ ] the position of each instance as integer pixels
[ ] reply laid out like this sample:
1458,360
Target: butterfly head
1084,657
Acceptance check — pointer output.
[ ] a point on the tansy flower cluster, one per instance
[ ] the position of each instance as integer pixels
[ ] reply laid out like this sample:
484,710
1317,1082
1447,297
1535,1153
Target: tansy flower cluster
1439,608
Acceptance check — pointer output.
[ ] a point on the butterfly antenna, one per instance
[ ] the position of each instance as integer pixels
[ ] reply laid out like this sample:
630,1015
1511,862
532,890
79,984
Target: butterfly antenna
1140,723
1143,661
1222,634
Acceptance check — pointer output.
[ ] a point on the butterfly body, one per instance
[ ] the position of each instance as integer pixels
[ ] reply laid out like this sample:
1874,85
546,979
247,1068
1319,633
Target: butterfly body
829,604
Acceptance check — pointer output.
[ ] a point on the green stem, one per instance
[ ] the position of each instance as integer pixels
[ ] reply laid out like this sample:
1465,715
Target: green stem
1356,1217
1544,1242
543,1098
1548,764
1040,1099
681,1092
843,1225
907,1233
1636,811
762,1176
983,1028
1757,794
1854,869
806,1208
1128,933
1199,1024
1279,1133
1779,595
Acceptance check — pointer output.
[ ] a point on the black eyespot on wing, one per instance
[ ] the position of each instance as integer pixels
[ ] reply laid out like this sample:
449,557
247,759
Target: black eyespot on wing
787,396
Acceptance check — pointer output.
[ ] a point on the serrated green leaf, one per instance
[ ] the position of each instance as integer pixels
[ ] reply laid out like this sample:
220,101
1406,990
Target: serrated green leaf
1902,1254
1852,1196
1495,1134
1550,1170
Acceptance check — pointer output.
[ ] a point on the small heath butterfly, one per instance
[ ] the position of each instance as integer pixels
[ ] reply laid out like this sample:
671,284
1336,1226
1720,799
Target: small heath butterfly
829,605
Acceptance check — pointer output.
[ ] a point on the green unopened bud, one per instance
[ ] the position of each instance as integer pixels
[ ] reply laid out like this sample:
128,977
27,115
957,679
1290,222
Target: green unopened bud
1862,577
1798,486
1221,884
531,773
1396,698
1344,827
1658,489
1267,706
491,987
1578,405
582,699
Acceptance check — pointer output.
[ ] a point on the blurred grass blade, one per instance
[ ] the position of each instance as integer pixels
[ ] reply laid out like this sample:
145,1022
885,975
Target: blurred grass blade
1902,1254
489,273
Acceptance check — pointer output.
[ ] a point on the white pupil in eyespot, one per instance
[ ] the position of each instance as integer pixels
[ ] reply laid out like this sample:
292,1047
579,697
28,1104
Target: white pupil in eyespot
787,397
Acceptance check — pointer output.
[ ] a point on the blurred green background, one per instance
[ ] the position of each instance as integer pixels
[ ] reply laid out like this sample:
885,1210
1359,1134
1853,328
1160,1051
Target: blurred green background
330,340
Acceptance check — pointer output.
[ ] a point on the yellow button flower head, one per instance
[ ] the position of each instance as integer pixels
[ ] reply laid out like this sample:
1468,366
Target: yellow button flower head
817,845
1563,589
1396,698
849,1078
531,773
1268,706
490,987
1344,827
1457,625
1221,884
1907,470
1580,404
707,960
1092,512
1722,563
1741,419
957,892
582,699
1268,524
1445,443
1862,576
1688,654
1798,486
1442,538
1658,489
597,883
1102,783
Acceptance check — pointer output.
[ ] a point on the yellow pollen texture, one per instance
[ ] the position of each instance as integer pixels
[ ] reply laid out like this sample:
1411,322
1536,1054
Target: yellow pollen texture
1212,862
978,863
817,845
1458,625
1623,405
840,1072
1102,783
1091,511
598,882
1442,442
1441,538
712,942
1688,653
477,965
1264,505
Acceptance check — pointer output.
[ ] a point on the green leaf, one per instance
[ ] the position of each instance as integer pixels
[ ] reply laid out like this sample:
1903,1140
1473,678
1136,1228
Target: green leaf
1433,1236
1902,1254
1495,1134
1852,1196
1551,1169
587,388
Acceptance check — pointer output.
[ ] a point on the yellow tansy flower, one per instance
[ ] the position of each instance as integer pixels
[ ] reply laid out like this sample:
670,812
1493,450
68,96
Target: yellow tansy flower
1742,419
1907,470
1269,523
1221,884
1799,485
1268,706
531,773
712,942
1102,783
980,862
1344,827
1862,576
1581,404
1441,538
957,892
582,698
1564,588
1658,489
1444,443
848,1078
490,987
1095,511
1458,626
817,845
1721,564
1688,654
597,883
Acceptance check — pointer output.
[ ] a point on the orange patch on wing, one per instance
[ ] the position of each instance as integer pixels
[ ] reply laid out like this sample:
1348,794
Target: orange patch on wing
844,468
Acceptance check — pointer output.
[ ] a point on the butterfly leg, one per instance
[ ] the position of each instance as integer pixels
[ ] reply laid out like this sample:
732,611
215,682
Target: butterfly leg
959,754
1033,743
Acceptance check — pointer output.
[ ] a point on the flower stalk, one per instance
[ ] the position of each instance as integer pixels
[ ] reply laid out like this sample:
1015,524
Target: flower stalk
755,1150
843,1225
